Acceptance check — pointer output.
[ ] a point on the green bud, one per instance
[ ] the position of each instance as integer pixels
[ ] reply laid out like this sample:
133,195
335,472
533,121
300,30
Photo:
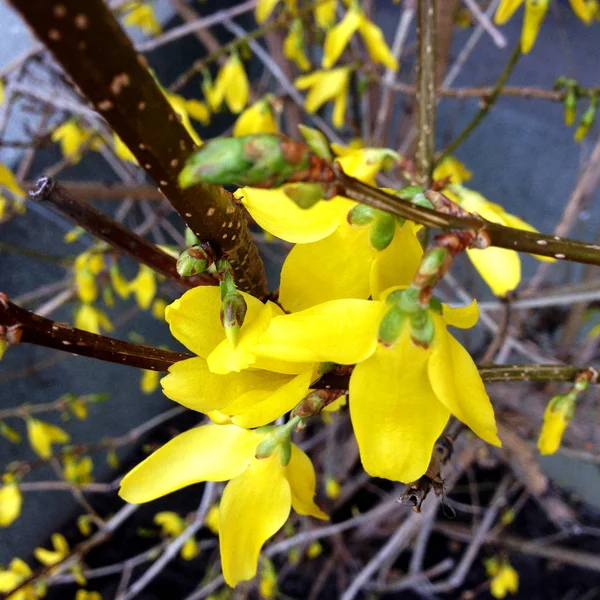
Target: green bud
587,119
420,200
194,260
285,452
316,141
305,195
570,106
382,232
361,215
233,312
391,326
422,328
6,431
245,160
408,193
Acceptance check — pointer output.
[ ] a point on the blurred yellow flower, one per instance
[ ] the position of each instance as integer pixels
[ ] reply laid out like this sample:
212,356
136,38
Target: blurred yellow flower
122,151
119,283
92,319
72,137
332,487
557,416
212,519
293,45
339,36
257,118
149,381
142,16
143,287
78,470
265,7
325,13
231,86
158,309
315,549
87,265
42,435
51,557
18,571
504,579
87,595
172,525
267,582
9,182
10,501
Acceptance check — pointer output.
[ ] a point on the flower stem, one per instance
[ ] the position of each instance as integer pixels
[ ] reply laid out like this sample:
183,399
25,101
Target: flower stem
103,226
34,329
96,53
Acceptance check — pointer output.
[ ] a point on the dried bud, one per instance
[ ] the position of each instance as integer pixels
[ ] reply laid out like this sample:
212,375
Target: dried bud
233,312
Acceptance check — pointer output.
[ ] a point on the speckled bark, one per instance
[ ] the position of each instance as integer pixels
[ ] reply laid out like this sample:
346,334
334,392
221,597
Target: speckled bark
91,46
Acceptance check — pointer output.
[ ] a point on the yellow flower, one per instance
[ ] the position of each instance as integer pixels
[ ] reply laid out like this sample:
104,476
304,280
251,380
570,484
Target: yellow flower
557,416
257,118
158,309
9,181
452,170
149,381
333,259
403,391
499,267
315,549
143,287
332,487
267,584
535,11
218,378
325,86
73,235
1,91
11,578
42,435
339,36
86,595
265,7
92,319
172,525
184,108
10,501
231,86
51,557
78,471
293,45
119,283
122,151
505,580
84,524
87,265
256,501
325,13
212,519
72,137
142,16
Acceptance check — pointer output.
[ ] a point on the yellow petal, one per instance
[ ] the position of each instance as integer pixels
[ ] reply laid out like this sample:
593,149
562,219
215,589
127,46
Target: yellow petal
9,181
463,317
170,522
254,507
338,37
325,85
341,331
190,549
10,503
276,213
198,111
332,268
500,268
325,13
398,263
300,474
42,435
238,88
376,46
194,318
582,10
260,407
264,8
258,118
339,108
453,168
506,10
552,431
149,381
395,414
458,385
535,11
144,287
207,453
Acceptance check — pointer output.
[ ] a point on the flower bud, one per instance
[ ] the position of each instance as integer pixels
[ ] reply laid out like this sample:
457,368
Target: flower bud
390,327
316,141
194,260
245,160
233,312
382,231
422,328
587,120
570,106
557,416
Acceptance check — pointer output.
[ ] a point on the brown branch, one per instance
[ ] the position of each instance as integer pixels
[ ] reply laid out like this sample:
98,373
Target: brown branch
34,329
95,51
108,190
102,226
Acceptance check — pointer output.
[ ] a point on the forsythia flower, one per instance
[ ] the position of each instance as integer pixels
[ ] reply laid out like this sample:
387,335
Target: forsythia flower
11,578
293,46
265,7
505,580
325,13
87,266
267,584
257,118
535,11
42,435
149,381
86,595
72,137
333,258
332,487
499,267
557,416
10,501
339,36
78,471
212,519
51,557
325,86
206,383
186,108
92,319
143,287
172,526
399,391
256,501
142,16
231,85
158,309
9,181
122,150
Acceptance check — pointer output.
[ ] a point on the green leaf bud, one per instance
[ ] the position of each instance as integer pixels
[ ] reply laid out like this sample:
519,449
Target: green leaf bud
587,120
361,215
391,326
382,232
316,141
570,106
194,260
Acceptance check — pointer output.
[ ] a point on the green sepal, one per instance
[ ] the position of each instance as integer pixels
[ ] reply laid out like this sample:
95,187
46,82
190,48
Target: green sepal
391,326
305,195
317,142
233,313
422,328
266,447
362,215
382,232
570,106
285,452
